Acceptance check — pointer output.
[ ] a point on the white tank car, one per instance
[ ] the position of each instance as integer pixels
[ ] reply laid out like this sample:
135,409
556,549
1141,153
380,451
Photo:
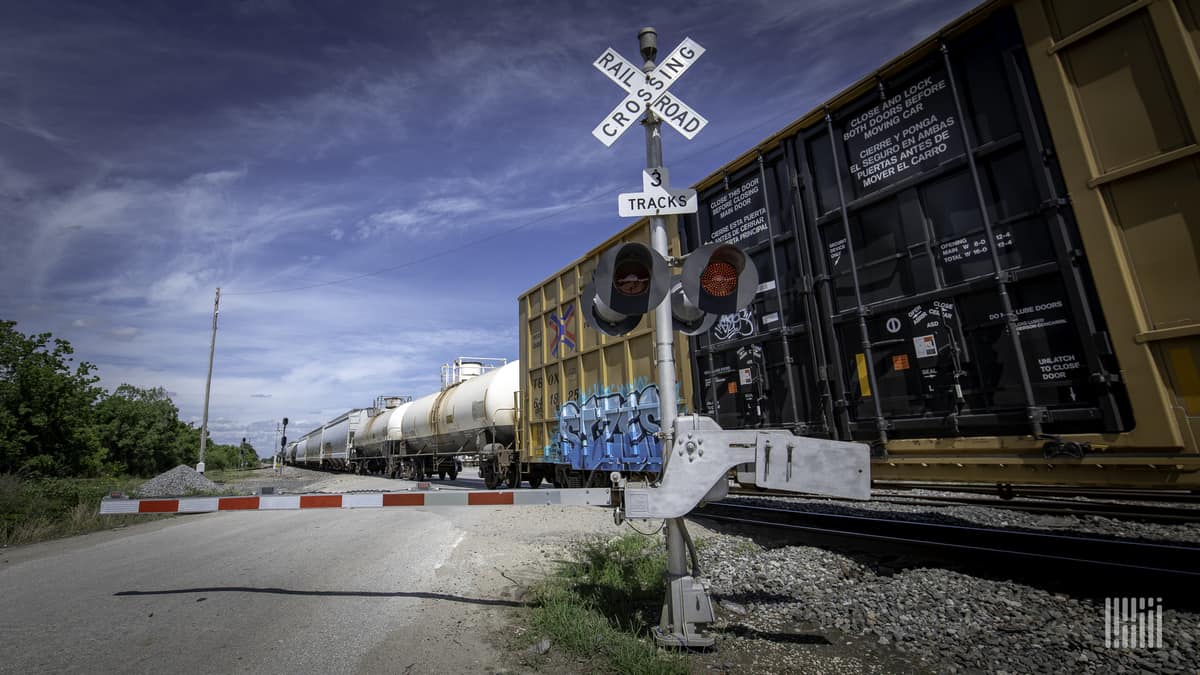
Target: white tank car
372,441
464,417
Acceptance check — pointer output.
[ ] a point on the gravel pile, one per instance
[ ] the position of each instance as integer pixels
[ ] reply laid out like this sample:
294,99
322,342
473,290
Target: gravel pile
180,481
982,515
930,619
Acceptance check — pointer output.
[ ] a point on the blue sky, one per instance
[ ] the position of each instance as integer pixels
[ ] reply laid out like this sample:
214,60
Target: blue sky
371,184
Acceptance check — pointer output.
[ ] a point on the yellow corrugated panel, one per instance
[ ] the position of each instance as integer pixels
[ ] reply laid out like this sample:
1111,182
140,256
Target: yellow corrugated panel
586,362
1126,96
1158,212
1120,86
1189,13
1184,359
1069,16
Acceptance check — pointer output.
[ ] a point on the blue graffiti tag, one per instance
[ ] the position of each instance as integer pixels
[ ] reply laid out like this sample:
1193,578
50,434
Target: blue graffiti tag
612,430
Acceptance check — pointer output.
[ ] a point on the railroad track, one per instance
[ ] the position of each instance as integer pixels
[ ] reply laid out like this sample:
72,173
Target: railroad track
1044,506
1050,491
1107,564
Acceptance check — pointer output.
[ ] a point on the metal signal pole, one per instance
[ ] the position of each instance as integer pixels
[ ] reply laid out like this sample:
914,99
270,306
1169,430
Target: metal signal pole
673,629
664,336
212,347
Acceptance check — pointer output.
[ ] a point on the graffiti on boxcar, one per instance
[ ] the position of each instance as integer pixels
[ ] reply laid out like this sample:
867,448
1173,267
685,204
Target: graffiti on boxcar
634,414
611,426
560,329
738,324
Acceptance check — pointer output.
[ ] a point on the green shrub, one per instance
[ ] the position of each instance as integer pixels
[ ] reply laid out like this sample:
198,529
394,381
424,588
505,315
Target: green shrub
34,509
601,605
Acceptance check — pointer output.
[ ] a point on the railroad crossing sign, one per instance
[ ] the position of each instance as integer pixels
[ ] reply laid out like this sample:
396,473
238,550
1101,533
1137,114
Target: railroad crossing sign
656,198
648,91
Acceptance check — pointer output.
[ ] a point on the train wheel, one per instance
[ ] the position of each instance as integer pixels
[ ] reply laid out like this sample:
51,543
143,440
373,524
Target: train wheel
453,474
491,477
441,475
514,475
535,480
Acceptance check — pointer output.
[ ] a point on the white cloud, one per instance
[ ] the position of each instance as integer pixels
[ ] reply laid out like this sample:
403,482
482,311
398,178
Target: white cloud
124,332
173,287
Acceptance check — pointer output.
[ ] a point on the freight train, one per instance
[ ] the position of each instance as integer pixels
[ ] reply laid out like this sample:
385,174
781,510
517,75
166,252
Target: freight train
472,414
982,258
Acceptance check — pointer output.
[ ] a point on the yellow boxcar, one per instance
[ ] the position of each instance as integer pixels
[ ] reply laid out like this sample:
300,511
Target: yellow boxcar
585,393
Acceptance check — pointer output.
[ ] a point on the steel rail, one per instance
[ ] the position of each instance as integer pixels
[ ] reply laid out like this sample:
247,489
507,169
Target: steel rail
1048,491
1170,559
1142,512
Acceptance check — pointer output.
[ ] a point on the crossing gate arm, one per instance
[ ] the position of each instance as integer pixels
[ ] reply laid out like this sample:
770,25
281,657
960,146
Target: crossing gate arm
701,455
377,500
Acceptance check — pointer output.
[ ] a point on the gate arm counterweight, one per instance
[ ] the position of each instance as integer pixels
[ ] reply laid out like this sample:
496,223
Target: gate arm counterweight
703,453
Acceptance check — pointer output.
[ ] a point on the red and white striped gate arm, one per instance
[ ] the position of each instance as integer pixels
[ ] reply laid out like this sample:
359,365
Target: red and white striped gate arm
566,497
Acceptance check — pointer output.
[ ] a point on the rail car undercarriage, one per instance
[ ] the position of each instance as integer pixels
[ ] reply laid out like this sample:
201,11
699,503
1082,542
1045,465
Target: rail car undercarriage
409,467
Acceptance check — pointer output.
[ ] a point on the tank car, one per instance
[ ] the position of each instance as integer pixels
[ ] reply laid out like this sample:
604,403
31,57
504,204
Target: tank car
474,413
380,436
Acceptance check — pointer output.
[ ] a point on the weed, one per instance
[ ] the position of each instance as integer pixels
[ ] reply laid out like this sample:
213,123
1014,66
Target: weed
601,604
746,546
36,509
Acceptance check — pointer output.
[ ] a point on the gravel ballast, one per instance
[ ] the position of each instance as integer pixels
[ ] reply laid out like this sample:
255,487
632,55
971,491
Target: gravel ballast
180,481
920,619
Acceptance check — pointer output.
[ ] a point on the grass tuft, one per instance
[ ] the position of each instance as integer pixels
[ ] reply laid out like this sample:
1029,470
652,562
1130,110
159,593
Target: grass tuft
600,606
36,509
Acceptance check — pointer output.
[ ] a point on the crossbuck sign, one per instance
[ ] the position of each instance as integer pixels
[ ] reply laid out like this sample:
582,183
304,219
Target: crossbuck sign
648,91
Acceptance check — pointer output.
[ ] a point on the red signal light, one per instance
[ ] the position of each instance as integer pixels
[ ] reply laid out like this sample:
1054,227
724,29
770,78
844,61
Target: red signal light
631,278
719,279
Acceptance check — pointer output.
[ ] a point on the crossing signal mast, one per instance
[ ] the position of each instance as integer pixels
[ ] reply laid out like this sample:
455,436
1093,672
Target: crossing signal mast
633,279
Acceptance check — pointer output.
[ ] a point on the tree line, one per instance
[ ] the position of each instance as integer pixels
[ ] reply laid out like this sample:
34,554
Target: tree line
56,421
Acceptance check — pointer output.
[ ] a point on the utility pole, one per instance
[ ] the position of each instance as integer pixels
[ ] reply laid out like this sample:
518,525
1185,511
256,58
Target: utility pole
212,347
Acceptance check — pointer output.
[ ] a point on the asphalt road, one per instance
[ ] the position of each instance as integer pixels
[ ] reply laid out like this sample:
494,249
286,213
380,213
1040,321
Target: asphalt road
420,590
